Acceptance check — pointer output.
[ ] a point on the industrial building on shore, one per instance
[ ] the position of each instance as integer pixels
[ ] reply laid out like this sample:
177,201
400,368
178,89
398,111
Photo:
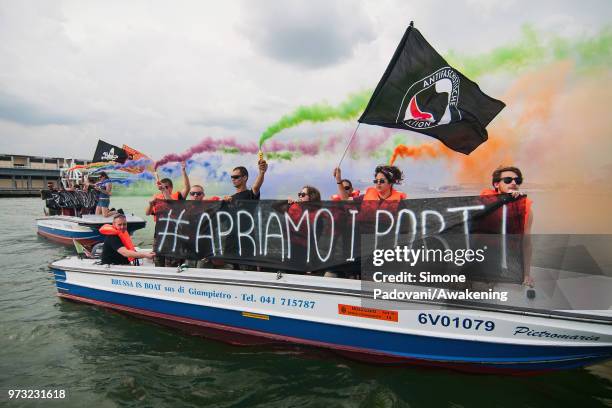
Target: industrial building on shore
22,175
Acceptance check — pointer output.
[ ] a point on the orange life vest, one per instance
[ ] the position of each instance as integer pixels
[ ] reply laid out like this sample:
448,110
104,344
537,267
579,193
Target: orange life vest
372,202
174,196
355,193
372,194
124,236
522,207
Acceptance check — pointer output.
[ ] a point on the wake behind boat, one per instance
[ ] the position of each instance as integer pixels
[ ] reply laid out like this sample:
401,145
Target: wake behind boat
247,307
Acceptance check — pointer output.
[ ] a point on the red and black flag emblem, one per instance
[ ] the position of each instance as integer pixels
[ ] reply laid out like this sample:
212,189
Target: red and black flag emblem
419,91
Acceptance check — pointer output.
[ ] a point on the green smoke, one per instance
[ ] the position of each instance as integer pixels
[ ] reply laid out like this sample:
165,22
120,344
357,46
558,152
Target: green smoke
281,155
320,112
532,49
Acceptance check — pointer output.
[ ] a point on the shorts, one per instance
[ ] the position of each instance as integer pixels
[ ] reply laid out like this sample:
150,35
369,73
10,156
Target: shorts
104,202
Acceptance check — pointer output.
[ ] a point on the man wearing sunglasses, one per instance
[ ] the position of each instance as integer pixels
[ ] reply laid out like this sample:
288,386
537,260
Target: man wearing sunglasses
167,192
240,176
197,194
507,180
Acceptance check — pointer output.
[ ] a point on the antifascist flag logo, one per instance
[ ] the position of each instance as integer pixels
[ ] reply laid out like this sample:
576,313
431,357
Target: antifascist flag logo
420,91
432,101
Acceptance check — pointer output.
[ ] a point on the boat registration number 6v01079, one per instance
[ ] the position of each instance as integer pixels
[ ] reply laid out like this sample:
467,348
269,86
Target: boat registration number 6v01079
456,322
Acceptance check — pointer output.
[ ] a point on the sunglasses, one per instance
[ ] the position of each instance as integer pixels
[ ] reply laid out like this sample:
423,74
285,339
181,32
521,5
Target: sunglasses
302,195
508,180
195,193
235,177
379,181
347,188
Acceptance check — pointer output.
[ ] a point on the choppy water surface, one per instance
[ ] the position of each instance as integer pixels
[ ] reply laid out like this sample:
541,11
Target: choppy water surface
105,359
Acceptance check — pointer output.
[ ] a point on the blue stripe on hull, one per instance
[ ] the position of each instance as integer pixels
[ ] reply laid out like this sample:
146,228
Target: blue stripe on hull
492,355
60,276
71,234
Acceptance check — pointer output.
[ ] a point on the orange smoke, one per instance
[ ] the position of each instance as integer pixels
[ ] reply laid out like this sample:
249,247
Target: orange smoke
429,150
555,127
530,102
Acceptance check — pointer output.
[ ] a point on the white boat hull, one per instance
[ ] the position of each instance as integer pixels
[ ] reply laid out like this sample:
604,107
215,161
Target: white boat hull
244,307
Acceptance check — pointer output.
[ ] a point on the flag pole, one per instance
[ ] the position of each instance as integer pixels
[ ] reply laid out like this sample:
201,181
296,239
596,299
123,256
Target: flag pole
348,144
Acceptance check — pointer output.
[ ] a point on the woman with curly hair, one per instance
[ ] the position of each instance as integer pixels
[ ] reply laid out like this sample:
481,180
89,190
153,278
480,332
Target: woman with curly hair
385,177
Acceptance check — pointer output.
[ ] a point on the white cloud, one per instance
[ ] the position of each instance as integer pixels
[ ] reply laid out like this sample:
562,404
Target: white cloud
309,34
160,76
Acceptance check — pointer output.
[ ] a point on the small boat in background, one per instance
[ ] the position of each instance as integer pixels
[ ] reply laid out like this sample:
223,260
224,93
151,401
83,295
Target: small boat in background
85,229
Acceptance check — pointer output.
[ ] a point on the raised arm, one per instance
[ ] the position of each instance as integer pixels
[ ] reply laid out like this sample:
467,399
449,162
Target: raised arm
263,167
341,191
186,183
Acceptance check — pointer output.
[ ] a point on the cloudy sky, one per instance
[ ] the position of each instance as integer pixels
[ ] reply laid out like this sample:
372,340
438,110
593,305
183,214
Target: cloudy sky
161,75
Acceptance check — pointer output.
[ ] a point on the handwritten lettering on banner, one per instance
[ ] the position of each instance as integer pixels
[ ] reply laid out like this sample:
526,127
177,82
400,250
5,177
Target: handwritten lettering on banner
333,235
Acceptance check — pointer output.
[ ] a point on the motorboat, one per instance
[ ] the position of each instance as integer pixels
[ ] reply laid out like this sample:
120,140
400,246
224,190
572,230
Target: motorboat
85,229
254,308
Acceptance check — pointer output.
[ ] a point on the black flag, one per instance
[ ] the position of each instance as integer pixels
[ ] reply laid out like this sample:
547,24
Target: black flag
106,152
419,91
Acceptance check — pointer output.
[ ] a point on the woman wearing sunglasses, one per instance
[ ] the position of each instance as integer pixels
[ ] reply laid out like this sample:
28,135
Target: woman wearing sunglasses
306,194
385,177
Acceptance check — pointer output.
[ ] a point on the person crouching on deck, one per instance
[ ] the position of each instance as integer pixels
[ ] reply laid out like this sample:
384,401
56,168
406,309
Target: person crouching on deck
118,248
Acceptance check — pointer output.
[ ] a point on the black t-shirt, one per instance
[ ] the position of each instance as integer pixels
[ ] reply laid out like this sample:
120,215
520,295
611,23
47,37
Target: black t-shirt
109,251
246,195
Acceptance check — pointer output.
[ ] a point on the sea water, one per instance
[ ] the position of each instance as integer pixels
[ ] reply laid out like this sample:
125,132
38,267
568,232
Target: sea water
106,359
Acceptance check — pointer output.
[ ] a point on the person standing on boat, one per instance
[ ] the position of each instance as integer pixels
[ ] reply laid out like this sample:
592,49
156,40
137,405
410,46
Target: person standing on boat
382,196
197,194
104,188
385,177
240,176
346,186
507,180
167,192
118,248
